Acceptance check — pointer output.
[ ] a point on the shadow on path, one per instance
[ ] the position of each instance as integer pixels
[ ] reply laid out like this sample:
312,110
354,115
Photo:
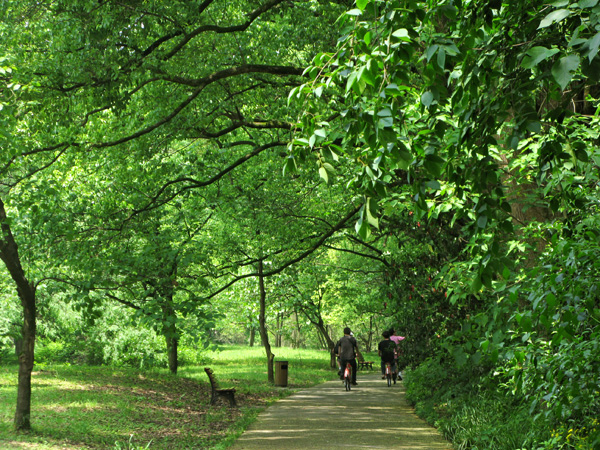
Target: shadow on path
370,416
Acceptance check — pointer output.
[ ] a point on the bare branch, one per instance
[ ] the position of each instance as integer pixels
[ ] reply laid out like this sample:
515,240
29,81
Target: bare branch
231,72
292,261
364,255
193,183
217,29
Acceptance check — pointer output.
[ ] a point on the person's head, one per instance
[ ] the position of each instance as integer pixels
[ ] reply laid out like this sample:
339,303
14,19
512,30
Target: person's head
386,334
392,332
347,331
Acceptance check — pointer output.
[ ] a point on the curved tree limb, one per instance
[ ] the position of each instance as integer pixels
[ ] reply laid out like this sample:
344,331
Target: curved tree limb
292,261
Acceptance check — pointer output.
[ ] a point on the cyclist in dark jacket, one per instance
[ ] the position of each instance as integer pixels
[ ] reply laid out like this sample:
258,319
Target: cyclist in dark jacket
387,351
346,348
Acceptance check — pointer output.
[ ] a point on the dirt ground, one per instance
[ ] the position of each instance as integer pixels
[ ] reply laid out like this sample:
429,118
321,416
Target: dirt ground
370,416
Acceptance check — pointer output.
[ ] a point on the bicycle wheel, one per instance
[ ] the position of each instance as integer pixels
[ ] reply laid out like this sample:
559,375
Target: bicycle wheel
348,377
388,374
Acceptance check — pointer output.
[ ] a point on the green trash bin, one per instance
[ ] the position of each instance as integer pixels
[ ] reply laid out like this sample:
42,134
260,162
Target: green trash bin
281,373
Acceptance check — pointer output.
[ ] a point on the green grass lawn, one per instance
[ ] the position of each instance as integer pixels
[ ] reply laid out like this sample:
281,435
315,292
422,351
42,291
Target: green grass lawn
82,407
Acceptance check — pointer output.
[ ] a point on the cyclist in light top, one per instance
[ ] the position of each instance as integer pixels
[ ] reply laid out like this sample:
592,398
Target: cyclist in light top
397,340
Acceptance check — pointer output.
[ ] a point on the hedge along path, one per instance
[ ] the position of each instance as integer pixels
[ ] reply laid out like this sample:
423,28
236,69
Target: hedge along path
372,415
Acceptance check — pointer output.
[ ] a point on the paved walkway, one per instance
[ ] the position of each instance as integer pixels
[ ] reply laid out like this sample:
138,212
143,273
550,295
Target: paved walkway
370,416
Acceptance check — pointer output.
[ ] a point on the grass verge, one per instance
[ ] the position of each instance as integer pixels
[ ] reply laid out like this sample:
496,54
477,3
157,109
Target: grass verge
82,407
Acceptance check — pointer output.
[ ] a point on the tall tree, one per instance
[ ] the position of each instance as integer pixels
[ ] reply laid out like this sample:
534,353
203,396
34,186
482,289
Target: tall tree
109,86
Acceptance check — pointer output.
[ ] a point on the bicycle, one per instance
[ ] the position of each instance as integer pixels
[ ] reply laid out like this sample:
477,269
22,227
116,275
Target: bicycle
388,373
348,376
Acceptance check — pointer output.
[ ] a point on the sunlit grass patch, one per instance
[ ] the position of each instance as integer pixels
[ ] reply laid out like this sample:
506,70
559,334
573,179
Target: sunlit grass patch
81,407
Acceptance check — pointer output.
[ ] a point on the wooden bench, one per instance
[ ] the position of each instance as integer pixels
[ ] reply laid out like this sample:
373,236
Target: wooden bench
362,364
228,394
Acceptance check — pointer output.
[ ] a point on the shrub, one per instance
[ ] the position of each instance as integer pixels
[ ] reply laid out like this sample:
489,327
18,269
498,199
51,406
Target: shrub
194,356
471,409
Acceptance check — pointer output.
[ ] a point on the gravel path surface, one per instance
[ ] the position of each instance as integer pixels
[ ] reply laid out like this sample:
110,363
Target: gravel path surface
370,416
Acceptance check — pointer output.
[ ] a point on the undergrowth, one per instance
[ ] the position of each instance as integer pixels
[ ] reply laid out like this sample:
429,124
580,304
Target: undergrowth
472,409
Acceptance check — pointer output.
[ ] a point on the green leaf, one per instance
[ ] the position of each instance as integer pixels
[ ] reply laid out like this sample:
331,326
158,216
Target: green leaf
476,284
592,46
520,356
361,226
434,165
563,69
361,4
551,300
386,122
433,184
351,80
354,12
535,55
554,17
401,34
328,153
427,99
321,132
587,3
482,221
366,75
323,174
301,141
431,51
526,323
582,155
402,156
460,356
484,345
441,58
290,166
371,218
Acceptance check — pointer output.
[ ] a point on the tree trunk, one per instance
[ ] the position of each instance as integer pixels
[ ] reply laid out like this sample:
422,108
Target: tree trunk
252,336
262,323
330,344
296,334
10,256
23,412
170,332
18,346
172,343
323,335
278,336
370,335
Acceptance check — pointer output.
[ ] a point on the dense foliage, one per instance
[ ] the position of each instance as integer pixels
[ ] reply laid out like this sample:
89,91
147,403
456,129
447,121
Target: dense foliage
486,111
442,179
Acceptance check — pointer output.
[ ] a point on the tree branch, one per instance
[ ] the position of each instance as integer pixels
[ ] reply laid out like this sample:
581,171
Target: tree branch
293,261
193,183
364,255
217,29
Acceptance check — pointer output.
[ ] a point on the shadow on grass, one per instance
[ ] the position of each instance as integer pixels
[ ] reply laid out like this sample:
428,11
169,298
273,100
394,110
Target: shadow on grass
82,407
95,407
